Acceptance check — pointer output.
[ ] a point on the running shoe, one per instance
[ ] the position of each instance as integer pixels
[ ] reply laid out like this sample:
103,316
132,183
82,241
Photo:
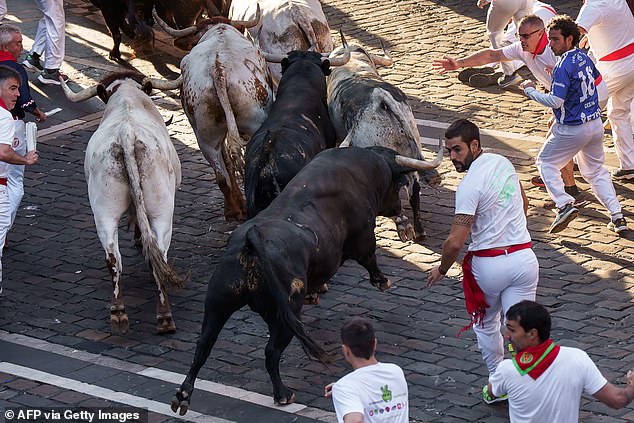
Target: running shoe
481,80
619,226
51,77
509,80
621,174
538,181
33,63
467,73
565,215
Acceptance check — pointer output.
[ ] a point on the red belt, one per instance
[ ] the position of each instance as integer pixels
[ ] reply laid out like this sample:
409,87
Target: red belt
473,295
619,54
3,181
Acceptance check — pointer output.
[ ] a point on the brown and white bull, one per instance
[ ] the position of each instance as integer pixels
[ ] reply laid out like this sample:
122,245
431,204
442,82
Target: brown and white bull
286,25
226,95
367,111
131,166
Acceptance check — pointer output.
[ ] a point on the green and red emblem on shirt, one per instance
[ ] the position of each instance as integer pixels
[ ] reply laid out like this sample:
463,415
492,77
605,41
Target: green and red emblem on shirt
534,361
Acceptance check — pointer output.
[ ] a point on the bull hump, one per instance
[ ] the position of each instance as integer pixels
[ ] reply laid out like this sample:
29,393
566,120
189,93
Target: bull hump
356,92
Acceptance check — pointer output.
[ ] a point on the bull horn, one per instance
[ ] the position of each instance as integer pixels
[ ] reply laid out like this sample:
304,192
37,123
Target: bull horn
165,84
176,33
422,164
273,57
344,43
385,60
339,61
249,24
82,95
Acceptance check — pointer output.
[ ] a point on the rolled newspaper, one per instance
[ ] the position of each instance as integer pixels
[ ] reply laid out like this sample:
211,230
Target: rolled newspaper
31,136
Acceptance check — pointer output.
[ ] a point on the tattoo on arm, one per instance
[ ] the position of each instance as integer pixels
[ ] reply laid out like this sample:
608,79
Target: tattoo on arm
463,220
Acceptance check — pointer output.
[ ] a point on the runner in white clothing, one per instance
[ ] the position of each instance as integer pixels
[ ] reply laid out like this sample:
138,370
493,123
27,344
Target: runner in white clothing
500,267
374,392
544,381
534,51
609,25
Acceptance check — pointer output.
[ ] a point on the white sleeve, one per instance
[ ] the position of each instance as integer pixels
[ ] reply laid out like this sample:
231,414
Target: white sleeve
513,51
547,100
588,16
467,200
498,384
7,129
593,380
345,400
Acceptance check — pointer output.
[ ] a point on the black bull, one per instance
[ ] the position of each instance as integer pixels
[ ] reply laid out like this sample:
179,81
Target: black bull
297,128
324,216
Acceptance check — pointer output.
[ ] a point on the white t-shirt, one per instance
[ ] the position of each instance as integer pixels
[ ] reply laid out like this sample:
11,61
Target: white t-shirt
555,396
7,133
536,65
610,27
490,191
379,392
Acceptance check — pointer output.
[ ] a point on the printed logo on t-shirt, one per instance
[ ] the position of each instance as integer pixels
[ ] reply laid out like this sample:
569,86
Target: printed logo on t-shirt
387,409
386,394
16,142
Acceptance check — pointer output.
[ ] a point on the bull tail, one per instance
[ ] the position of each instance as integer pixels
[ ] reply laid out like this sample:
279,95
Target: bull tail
164,274
401,112
281,305
233,145
307,29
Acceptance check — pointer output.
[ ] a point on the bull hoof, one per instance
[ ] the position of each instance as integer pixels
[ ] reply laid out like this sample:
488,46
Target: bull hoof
165,324
323,289
285,399
119,321
235,216
114,56
382,283
311,299
405,229
180,403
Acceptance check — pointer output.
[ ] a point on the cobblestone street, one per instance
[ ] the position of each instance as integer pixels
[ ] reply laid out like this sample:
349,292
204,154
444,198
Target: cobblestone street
57,288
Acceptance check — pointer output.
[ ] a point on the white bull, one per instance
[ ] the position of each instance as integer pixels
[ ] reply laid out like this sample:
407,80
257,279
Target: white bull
131,166
286,25
367,111
226,95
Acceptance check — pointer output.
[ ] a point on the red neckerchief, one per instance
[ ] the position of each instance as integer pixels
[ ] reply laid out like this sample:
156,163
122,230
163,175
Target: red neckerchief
541,46
535,360
5,55
473,295
4,106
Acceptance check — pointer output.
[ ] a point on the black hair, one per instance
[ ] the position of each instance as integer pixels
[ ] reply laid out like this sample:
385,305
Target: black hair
6,73
466,130
566,26
531,315
358,335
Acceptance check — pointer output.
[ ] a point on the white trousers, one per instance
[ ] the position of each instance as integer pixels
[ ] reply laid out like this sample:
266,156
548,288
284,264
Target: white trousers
621,91
15,180
498,16
49,38
5,220
505,280
586,142
3,9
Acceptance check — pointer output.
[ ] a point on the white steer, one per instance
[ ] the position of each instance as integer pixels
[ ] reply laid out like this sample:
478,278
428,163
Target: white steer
131,166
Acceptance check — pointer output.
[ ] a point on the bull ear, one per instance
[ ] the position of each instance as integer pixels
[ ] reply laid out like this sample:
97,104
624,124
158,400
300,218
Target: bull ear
147,87
325,66
102,93
285,63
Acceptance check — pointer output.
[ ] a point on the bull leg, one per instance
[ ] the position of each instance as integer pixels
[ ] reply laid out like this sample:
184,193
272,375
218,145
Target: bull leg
217,312
162,229
366,257
281,336
119,322
235,204
414,202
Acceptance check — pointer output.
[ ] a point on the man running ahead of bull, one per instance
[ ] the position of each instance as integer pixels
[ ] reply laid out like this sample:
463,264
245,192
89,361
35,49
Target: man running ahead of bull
500,268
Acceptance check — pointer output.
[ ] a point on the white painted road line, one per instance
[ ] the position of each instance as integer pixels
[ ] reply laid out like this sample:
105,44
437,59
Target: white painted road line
104,393
163,375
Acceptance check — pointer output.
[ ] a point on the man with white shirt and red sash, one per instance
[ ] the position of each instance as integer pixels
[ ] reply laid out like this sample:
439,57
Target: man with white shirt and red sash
609,25
544,381
9,92
500,268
